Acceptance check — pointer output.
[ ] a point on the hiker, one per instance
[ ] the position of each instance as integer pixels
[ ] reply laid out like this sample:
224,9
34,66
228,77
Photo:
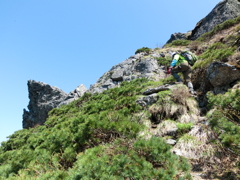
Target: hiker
180,64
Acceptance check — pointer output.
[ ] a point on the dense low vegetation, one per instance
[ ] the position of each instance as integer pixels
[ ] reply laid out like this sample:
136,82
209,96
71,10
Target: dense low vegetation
179,42
216,52
225,119
143,49
94,137
164,61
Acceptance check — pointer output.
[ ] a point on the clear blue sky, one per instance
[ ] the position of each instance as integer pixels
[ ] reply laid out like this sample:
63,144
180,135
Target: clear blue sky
66,43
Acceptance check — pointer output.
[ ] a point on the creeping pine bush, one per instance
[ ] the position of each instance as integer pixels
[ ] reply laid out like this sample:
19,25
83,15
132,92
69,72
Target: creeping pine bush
144,159
91,138
164,61
225,119
184,127
143,49
92,121
179,42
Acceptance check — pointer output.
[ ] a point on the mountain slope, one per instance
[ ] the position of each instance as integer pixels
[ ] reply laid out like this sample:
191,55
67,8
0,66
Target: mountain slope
125,132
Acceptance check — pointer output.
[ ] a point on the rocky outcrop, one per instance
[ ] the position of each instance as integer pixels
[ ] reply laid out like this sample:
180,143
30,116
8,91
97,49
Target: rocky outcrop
224,10
136,66
219,78
222,76
196,146
177,36
151,95
74,95
44,98
147,100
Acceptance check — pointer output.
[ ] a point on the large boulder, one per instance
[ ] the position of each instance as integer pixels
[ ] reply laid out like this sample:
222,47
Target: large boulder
44,98
222,76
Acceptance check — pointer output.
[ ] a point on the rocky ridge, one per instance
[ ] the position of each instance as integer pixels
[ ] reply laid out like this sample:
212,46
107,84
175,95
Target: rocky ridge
224,10
44,97
136,66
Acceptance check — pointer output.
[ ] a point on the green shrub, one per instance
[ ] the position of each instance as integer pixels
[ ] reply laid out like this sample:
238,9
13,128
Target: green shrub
164,61
143,49
225,119
216,52
179,42
145,159
237,28
184,127
86,123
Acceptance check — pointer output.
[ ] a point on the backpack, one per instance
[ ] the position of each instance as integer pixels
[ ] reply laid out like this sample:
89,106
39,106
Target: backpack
189,56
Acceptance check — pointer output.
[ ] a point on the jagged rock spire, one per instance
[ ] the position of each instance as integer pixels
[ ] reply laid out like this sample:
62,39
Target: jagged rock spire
44,98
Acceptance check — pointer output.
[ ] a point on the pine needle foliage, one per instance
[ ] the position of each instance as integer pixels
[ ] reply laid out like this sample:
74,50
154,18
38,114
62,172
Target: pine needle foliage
99,127
143,49
164,61
179,42
144,159
225,119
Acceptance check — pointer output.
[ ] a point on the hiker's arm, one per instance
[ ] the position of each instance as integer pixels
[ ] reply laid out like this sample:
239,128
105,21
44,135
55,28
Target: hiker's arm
174,62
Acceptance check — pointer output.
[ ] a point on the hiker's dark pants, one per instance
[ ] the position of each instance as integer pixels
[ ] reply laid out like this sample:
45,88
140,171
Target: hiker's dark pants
185,69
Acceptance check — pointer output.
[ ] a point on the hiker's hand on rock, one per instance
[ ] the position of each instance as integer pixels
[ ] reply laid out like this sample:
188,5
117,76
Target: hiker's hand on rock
169,70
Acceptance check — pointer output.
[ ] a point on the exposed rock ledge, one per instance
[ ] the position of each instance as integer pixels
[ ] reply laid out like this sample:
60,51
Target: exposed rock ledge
44,98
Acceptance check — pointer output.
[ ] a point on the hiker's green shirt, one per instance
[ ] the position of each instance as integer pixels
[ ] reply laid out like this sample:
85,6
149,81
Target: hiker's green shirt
177,59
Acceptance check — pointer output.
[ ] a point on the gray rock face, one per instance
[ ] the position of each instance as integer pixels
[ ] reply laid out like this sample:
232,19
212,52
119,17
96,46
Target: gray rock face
151,95
221,75
177,36
225,10
172,132
74,95
44,98
136,66
147,100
